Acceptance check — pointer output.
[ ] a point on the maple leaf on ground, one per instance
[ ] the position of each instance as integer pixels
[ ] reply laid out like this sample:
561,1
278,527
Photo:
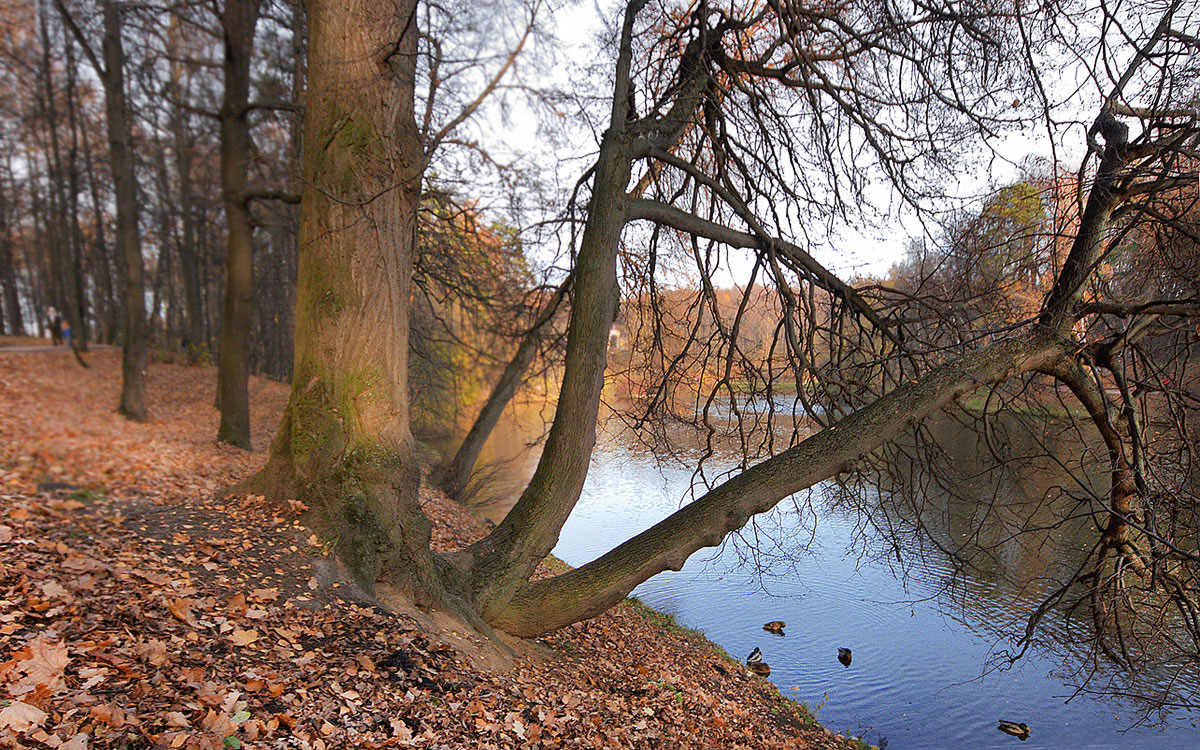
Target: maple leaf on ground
43,662
21,717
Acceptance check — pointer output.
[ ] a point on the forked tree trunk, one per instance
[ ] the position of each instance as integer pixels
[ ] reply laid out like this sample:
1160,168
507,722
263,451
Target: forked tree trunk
238,21
344,447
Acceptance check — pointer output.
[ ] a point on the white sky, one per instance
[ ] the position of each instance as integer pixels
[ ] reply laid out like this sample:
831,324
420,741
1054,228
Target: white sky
869,250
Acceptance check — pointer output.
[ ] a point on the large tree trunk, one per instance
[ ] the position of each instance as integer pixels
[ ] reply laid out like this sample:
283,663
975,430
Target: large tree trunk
344,448
238,21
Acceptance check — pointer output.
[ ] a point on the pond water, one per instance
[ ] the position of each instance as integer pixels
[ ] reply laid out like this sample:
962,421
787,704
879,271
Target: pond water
928,668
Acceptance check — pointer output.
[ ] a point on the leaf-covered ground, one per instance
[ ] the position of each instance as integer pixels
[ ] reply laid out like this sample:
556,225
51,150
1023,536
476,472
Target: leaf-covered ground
139,611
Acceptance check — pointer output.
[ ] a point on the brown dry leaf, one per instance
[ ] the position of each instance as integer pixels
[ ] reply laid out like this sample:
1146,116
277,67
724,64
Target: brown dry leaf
80,563
43,664
156,578
57,504
243,637
236,605
78,742
177,719
55,590
20,717
154,652
182,609
110,714
264,595
219,724
6,534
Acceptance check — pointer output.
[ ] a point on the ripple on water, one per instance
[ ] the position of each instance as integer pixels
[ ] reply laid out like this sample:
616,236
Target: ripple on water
920,655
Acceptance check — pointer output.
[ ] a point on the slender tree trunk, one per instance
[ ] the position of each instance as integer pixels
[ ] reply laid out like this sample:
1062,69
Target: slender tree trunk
507,557
455,475
238,20
8,276
102,265
63,229
77,294
120,148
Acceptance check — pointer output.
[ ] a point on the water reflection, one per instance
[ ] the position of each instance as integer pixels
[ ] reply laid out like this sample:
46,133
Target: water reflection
929,608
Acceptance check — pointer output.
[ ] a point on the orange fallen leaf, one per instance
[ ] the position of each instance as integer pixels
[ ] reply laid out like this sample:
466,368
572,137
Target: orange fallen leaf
110,714
264,595
182,609
236,605
243,637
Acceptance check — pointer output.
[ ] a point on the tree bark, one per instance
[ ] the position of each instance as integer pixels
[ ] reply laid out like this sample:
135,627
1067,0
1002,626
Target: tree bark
120,149
8,277
239,19
455,475
344,448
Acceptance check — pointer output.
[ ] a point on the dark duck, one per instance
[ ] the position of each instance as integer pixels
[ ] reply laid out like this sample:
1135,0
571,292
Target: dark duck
755,663
1020,731
844,656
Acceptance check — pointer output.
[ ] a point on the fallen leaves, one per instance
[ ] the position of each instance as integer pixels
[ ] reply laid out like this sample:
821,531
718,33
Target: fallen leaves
155,615
39,665
21,717
182,610
243,637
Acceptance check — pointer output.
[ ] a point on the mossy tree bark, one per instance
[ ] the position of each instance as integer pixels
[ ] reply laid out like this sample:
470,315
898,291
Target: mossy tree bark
344,448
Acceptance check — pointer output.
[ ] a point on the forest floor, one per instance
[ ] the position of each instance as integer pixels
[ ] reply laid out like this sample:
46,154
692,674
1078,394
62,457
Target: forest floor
140,610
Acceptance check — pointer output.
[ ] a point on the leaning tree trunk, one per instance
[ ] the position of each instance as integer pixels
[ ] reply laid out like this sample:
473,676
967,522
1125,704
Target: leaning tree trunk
238,20
538,606
454,476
